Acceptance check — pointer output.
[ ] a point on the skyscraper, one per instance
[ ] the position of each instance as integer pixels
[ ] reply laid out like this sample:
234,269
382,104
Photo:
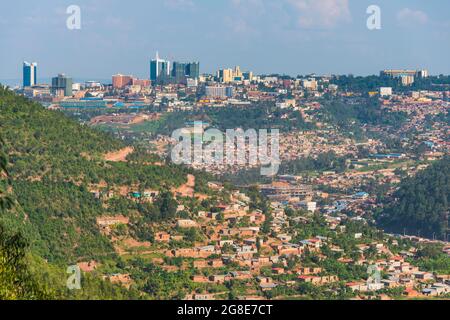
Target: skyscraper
29,74
182,71
225,75
193,70
230,75
159,69
179,72
62,86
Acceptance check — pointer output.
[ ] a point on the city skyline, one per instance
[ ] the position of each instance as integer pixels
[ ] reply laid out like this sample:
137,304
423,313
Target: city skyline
179,72
287,37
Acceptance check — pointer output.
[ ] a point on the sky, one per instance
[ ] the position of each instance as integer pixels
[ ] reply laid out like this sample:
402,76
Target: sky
293,37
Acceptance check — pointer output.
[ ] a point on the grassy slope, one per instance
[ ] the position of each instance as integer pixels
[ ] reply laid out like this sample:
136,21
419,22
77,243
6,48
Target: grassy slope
52,161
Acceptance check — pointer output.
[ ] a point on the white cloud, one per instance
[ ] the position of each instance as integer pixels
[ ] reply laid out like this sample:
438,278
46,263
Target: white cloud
321,13
408,17
284,14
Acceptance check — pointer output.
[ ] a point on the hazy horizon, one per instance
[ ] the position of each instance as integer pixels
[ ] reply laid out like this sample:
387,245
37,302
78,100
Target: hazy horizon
285,37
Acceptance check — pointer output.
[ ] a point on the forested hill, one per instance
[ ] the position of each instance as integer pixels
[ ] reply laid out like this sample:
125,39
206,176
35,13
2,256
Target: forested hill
421,204
55,164
44,144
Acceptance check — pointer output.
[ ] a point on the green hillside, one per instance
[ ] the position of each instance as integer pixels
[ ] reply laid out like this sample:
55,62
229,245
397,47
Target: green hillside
421,204
48,209
53,163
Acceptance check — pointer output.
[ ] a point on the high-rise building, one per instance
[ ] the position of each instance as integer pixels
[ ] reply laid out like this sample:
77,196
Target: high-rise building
159,69
225,75
220,92
423,73
182,71
407,76
193,70
120,81
179,72
29,74
247,75
236,75
62,85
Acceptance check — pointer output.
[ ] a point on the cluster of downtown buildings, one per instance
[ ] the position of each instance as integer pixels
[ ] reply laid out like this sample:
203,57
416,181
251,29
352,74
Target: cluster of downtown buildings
166,78
162,73
61,85
165,73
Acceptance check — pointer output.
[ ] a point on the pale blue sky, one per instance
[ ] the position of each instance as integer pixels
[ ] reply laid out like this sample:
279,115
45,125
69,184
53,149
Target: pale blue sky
266,36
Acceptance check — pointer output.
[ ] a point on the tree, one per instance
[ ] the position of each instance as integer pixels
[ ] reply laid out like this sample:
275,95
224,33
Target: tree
167,205
430,251
16,283
6,201
421,204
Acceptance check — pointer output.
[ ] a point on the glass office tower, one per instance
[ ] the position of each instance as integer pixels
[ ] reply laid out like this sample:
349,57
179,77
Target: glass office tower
193,70
159,69
29,74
